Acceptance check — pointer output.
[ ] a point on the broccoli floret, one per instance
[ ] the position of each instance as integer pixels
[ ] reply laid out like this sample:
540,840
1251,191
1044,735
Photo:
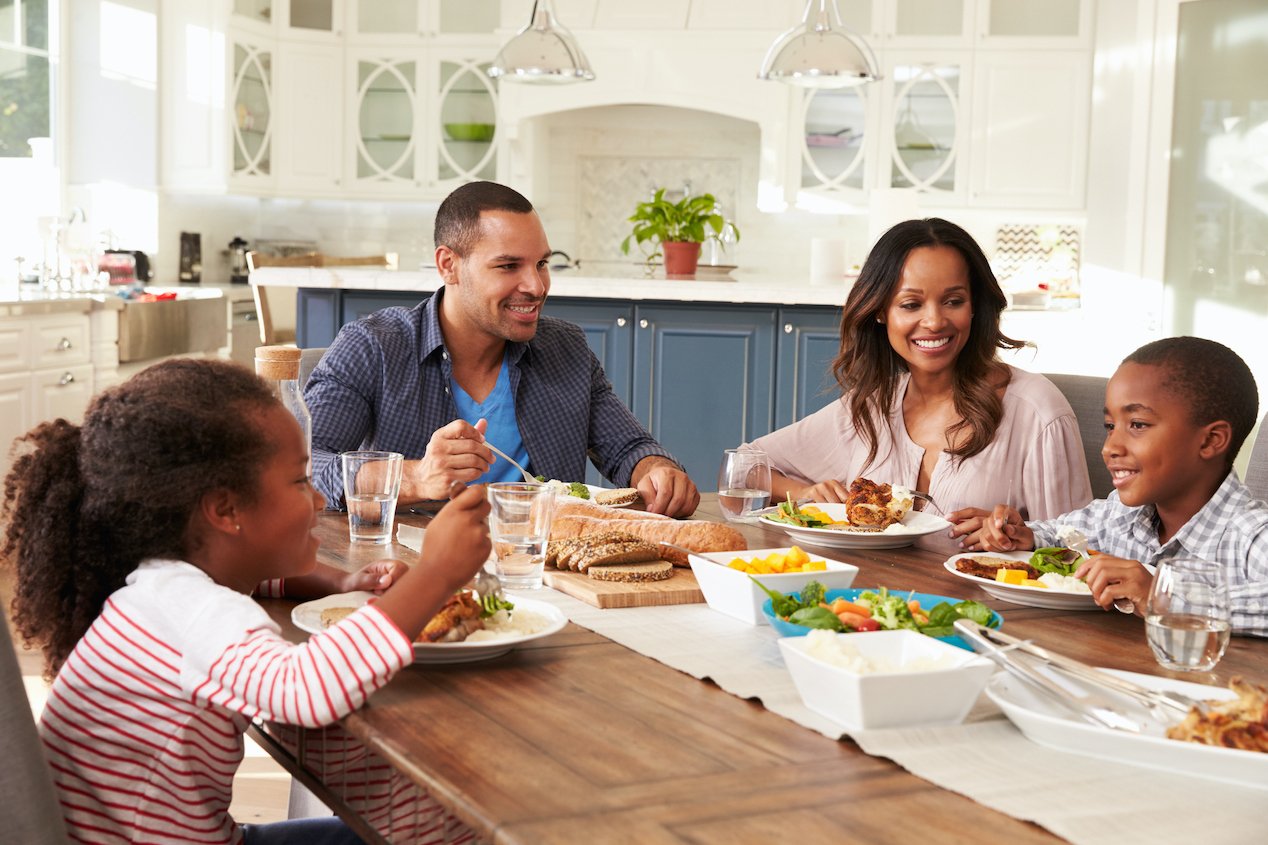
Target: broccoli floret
812,594
579,490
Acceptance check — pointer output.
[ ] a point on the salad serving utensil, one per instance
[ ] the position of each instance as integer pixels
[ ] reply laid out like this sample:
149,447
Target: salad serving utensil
530,479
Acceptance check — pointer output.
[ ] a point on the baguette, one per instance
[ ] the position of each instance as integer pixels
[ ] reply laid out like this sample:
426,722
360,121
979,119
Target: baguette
691,534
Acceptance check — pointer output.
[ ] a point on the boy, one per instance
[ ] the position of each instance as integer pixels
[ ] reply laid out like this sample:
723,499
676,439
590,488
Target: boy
1176,413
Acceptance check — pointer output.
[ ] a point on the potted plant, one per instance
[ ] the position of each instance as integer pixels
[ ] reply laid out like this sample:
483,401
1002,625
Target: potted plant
678,228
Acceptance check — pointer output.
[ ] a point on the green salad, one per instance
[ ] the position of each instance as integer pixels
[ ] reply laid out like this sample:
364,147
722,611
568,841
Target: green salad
874,610
1056,560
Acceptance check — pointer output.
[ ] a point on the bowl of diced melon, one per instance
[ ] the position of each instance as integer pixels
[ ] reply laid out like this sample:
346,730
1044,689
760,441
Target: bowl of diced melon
726,578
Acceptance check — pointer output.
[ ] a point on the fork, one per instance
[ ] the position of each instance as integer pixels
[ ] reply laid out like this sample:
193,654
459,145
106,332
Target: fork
528,478
1075,540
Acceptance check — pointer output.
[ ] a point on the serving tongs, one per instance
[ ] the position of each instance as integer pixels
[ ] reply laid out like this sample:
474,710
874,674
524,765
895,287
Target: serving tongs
1094,702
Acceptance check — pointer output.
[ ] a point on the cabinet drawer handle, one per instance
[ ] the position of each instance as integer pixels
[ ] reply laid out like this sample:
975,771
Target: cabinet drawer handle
64,344
642,324
620,321
67,378
787,328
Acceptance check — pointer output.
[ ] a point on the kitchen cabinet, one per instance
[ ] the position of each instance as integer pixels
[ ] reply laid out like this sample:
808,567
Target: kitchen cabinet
701,377
309,107
251,113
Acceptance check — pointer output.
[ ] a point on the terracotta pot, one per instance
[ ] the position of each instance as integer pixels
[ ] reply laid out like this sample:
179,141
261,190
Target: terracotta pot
681,257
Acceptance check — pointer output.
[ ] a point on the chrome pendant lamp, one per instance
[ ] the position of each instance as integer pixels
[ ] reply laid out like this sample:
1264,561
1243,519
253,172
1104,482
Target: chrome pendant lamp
820,54
542,52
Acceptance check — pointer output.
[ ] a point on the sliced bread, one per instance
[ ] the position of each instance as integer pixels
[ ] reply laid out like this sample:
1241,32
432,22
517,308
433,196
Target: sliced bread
656,570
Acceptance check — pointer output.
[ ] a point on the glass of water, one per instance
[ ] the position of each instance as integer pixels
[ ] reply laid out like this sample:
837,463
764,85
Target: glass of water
1186,616
519,526
743,482
371,484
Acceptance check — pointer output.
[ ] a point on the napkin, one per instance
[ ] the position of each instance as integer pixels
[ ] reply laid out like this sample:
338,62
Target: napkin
410,536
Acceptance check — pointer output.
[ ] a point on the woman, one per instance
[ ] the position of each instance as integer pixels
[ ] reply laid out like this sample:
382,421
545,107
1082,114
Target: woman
926,402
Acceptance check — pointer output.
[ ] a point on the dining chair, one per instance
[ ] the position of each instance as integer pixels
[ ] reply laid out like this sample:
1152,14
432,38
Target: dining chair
275,304
1086,395
308,359
1257,469
32,813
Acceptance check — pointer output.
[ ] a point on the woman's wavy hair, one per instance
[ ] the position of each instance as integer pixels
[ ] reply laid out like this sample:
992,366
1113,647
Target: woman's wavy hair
867,367
85,504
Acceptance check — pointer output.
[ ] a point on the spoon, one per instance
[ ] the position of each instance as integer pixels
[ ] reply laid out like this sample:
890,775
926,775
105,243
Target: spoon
528,478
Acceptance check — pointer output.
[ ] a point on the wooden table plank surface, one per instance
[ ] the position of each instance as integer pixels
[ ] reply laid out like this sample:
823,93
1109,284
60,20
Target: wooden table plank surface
575,739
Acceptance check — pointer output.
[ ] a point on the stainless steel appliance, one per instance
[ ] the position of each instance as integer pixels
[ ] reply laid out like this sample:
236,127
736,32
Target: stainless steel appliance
238,261
191,258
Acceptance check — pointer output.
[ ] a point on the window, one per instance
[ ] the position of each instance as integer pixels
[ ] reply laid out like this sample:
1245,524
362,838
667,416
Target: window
26,90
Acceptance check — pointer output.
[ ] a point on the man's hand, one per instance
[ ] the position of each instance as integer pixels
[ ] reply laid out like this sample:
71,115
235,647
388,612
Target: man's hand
455,452
665,488
1112,578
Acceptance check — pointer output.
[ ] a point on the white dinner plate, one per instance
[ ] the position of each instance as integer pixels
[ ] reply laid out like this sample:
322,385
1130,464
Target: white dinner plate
1047,723
915,524
1019,594
307,617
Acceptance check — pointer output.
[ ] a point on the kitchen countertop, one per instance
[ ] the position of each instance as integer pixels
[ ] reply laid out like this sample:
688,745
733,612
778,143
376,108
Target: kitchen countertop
30,301
596,281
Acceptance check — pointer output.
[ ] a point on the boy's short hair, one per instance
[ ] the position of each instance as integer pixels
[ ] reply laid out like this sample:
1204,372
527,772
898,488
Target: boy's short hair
1210,378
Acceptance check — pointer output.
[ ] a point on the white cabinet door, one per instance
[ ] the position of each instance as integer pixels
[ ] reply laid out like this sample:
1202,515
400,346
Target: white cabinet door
646,14
385,122
61,341
462,118
15,412
309,114
63,392
194,149
924,129
252,117
1030,129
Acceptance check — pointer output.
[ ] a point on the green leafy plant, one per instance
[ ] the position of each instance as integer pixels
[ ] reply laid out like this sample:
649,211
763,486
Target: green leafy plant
690,220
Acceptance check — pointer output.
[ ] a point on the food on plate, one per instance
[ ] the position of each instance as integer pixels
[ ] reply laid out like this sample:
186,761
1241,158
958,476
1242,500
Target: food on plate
619,496
1056,560
457,618
333,615
1018,578
985,566
656,570
1240,722
1064,583
507,623
874,610
876,505
580,553
833,650
566,488
692,535
794,560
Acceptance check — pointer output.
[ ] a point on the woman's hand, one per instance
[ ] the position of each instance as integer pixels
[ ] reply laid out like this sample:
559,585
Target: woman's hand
1000,530
375,577
1112,578
824,491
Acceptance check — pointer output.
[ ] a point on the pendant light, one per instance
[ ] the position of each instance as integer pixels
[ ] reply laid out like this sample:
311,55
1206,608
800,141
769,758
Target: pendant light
542,52
822,54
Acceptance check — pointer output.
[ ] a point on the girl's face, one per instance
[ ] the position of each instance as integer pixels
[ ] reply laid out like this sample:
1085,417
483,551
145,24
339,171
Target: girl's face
276,536
929,317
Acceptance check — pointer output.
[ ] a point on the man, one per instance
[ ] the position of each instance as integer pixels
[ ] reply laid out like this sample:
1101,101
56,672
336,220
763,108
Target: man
478,360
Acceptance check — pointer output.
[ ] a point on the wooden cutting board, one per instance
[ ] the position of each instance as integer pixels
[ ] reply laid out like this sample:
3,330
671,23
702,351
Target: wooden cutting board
681,588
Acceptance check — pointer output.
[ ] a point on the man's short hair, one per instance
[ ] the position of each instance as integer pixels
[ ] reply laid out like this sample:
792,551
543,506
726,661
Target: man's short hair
1211,379
458,218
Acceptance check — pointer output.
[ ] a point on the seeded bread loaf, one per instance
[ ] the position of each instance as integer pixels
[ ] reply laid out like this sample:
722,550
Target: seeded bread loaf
654,571
690,534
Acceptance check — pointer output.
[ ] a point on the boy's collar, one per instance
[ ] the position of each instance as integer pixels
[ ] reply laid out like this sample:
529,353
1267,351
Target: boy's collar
1200,535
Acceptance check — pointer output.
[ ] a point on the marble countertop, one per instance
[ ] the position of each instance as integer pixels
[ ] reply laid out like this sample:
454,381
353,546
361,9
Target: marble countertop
595,281
30,301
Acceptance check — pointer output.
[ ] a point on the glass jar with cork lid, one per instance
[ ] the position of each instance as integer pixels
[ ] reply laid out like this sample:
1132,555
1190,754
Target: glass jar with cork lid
279,366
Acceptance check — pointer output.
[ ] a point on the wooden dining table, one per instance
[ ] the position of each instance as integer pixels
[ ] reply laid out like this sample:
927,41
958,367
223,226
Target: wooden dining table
574,738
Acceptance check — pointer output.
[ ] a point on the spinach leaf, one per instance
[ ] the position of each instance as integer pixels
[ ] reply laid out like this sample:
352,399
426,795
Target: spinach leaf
978,612
817,617
782,605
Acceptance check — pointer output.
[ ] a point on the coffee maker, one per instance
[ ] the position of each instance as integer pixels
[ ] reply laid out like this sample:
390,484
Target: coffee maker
191,258
238,268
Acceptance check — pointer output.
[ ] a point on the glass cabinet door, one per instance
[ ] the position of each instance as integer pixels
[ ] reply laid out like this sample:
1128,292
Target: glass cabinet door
929,18
260,11
315,15
252,110
833,140
468,120
389,17
925,123
461,17
387,108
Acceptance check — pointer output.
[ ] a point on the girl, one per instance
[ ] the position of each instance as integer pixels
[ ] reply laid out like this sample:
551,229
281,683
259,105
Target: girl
138,539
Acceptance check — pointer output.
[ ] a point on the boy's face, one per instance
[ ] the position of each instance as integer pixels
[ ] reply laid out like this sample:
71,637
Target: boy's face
1153,448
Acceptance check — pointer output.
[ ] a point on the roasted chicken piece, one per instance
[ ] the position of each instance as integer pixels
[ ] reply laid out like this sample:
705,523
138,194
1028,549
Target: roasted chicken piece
867,503
457,618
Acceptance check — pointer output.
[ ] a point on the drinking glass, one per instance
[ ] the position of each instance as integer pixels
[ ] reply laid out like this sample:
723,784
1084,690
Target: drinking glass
1186,616
743,482
519,526
371,484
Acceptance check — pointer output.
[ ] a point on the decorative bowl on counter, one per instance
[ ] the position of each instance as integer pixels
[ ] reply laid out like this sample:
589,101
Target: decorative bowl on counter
470,131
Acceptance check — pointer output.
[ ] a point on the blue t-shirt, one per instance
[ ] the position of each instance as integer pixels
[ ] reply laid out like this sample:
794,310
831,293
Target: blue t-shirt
503,431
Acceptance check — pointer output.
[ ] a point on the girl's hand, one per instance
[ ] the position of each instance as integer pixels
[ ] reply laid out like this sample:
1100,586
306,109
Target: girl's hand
1112,578
458,538
375,577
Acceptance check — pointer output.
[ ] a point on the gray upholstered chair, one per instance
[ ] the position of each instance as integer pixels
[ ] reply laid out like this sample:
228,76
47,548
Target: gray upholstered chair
308,359
1257,469
1086,395
32,814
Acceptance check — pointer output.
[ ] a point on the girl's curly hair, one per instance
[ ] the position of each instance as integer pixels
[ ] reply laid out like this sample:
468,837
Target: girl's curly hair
84,505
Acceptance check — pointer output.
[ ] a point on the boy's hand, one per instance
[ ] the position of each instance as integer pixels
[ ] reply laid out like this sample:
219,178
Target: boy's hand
1000,530
458,538
375,577
1112,578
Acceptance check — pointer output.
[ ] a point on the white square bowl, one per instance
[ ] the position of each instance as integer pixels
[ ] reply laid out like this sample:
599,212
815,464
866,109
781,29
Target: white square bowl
940,696
731,592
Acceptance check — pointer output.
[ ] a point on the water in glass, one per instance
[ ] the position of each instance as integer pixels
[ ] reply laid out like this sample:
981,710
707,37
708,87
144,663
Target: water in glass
743,482
1187,620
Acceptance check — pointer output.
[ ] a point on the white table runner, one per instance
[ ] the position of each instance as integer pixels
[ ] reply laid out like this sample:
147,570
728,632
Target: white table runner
1088,801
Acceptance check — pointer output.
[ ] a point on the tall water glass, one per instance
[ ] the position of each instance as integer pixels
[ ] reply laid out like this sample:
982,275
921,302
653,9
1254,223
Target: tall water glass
520,515
743,482
1187,616
371,484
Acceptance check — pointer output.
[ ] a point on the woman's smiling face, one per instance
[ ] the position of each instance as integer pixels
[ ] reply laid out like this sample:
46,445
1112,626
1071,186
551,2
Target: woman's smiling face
930,314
